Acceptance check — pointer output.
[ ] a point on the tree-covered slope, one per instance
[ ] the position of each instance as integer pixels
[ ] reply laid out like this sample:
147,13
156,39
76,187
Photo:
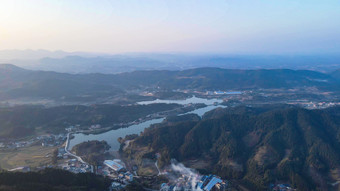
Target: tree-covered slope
256,146
52,180
24,120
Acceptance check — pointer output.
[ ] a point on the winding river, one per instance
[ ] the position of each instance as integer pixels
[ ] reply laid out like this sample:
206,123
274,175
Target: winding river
111,136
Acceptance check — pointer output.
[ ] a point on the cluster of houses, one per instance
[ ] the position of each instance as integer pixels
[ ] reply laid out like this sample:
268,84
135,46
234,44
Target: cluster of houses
116,170
281,187
97,126
62,153
319,105
44,140
52,140
223,93
212,182
72,128
73,165
204,183
17,144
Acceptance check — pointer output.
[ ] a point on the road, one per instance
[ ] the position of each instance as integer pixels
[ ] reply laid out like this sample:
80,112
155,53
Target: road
156,164
71,154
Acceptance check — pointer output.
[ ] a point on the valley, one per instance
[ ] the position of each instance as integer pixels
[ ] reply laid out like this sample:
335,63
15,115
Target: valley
241,135
169,95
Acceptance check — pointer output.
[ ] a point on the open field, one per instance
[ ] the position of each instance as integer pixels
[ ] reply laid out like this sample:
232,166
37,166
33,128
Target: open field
33,156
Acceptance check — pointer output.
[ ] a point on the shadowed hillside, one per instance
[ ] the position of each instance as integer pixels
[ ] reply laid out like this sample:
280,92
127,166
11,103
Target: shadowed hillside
19,83
255,146
22,121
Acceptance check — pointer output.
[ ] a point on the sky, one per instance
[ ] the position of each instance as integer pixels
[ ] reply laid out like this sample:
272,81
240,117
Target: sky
195,26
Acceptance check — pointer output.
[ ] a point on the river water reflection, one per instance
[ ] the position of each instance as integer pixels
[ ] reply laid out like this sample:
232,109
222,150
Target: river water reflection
111,136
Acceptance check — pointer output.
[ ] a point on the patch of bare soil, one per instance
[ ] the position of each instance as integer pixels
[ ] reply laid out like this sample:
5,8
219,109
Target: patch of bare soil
335,179
264,155
197,164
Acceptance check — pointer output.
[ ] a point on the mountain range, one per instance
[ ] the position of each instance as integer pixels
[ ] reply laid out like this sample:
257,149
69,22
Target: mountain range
83,62
16,82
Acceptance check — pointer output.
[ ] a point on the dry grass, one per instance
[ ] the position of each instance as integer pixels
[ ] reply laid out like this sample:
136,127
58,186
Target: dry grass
33,156
197,164
146,167
264,155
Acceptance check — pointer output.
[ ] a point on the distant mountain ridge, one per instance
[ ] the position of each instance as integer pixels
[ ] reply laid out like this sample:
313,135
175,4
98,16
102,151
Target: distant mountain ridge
87,62
30,54
9,68
106,65
17,82
113,64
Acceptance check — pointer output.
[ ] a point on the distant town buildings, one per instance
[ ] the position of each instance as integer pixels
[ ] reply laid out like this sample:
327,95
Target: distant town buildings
223,92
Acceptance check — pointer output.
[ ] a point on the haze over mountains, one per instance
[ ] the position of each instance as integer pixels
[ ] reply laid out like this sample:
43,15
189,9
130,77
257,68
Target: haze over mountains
20,83
252,146
82,62
169,95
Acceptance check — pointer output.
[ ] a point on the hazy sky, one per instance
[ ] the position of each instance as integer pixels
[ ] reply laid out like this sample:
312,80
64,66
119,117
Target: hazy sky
221,26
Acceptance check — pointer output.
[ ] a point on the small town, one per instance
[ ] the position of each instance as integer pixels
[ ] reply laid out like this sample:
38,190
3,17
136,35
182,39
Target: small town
49,140
116,169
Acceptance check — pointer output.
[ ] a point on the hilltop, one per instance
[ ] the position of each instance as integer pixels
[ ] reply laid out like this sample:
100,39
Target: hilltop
252,146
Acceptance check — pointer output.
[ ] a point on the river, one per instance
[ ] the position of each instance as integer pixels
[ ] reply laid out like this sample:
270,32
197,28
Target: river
193,100
111,136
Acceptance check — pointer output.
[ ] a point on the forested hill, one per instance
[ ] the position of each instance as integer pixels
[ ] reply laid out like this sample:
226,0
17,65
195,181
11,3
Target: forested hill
52,180
16,82
21,121
255,146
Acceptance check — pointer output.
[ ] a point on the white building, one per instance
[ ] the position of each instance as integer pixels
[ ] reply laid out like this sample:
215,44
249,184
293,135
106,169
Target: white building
115,164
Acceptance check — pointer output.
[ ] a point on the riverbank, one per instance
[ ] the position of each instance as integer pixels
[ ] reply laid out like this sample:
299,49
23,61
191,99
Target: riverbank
69,152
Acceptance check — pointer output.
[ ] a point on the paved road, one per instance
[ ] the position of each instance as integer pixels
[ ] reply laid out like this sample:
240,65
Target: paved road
156,164
69,153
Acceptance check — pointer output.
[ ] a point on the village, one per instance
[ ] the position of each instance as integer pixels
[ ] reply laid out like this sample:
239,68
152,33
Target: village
117,170
48,140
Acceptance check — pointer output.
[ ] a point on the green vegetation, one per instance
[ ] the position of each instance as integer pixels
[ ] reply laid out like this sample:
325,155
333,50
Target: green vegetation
255,146
93,152
52,180
182,118
134,186
91,147
22,121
